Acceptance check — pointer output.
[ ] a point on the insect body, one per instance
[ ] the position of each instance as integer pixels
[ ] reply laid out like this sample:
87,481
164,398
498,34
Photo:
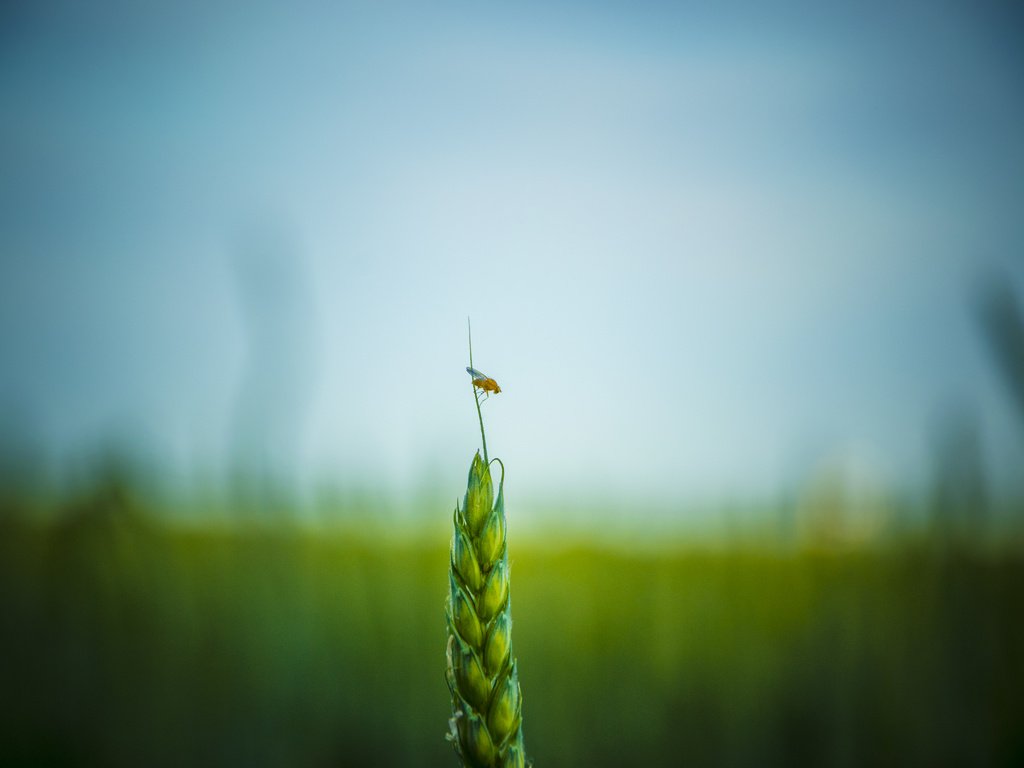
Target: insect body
483,381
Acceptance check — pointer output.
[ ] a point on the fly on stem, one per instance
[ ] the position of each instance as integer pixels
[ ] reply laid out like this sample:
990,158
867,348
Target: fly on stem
482,384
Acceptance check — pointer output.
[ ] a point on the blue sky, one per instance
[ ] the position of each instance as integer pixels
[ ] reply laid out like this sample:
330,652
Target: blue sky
708,254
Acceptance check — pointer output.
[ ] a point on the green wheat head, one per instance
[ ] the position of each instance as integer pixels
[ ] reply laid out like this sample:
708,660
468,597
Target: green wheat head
486,723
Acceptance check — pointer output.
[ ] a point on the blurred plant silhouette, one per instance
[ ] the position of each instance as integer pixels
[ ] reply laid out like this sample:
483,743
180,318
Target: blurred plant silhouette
272,405
1003,327
959,497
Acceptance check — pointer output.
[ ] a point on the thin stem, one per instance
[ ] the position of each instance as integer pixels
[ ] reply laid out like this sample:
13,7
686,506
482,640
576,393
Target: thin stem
483,437
476,396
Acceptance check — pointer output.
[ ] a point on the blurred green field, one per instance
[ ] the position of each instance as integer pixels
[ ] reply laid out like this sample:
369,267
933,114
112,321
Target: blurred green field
127,642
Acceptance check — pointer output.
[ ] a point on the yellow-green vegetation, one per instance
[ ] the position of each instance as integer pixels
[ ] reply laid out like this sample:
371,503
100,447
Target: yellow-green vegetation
130,642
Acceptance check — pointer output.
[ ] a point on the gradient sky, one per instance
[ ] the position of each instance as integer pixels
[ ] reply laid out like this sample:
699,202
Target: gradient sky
707,253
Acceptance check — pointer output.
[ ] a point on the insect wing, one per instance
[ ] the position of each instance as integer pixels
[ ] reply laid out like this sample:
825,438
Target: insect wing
476,374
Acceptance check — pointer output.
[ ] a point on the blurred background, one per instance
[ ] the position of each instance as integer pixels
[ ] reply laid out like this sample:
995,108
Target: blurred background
750,280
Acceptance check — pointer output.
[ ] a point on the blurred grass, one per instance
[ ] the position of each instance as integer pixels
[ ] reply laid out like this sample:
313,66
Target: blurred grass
130,642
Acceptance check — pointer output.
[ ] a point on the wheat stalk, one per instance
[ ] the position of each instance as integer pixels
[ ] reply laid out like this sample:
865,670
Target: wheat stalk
486,723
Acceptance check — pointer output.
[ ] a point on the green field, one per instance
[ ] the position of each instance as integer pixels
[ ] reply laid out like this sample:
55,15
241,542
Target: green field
127,642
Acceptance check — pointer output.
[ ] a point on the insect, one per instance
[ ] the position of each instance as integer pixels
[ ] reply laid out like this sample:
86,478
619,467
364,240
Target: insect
483,382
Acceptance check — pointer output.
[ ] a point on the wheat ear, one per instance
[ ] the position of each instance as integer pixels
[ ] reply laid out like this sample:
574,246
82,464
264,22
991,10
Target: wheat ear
486,723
